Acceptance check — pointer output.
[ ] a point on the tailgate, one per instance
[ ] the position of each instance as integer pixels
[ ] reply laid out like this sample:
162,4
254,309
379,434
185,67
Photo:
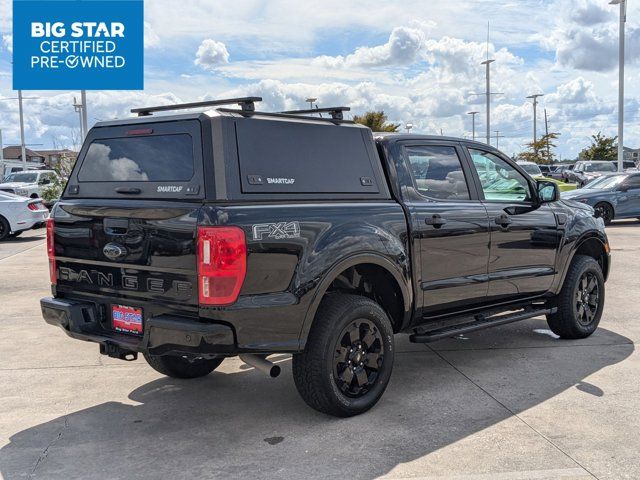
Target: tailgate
146,252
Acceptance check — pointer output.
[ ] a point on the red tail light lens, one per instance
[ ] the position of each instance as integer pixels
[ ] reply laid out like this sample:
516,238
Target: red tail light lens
222,264
51,252
34,206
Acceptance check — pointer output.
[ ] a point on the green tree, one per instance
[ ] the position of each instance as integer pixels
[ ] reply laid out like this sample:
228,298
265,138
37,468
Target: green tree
376,121
63,168
601,148
540,151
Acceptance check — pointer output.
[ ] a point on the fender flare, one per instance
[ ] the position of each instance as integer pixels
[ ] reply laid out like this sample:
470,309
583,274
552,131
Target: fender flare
342,265
592,234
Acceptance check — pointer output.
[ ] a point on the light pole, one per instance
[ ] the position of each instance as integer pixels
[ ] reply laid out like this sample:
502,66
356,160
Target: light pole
488,63
623,19
473,124
535,117
83,100
23,148
409,126
310,101
78,107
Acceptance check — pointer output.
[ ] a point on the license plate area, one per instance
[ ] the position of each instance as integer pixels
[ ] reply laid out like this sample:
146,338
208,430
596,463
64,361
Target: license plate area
125,319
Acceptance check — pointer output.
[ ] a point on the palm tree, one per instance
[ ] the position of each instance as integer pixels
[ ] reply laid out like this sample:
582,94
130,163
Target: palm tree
376,121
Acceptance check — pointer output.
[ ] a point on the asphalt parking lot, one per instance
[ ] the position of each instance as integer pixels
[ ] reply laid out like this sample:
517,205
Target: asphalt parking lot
507,403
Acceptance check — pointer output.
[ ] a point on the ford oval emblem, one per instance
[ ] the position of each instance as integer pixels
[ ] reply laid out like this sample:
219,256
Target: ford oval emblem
114,251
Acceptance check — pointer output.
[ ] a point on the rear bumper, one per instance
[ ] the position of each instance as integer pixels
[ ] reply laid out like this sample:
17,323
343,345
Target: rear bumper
163,334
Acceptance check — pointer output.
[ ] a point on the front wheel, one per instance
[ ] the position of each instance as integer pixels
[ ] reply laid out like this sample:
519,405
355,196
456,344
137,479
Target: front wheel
347,362
604,211
180,367
581,300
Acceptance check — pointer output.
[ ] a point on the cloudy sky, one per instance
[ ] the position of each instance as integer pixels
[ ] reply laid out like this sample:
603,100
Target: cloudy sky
418,60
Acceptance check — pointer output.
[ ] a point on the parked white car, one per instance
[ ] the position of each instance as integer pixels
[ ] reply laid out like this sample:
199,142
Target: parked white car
27,184
18,214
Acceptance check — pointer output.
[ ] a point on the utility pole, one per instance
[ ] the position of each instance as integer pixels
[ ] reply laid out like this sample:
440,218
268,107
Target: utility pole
23,148
535,118
488,63
498,137
83,100
623,19
546,129
473,124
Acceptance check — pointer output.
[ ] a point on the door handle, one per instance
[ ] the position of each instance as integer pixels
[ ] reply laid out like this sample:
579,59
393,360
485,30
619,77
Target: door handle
503,220
436,221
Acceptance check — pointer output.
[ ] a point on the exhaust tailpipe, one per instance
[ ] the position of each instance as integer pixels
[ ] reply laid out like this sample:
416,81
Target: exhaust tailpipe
259,362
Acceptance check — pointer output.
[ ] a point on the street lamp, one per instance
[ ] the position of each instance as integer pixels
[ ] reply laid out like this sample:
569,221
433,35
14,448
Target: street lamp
310,101
623,19
409,126
473,124
78,107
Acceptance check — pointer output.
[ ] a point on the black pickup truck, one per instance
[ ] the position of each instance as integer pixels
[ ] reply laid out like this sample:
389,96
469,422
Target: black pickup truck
198,236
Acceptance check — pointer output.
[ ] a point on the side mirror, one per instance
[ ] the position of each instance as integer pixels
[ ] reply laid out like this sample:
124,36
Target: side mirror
547,191
623,188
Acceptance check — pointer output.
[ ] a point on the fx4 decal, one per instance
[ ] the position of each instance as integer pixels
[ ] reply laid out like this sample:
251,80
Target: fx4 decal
277,231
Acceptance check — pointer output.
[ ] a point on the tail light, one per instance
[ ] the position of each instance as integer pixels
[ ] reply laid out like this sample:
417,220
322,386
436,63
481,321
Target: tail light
34,206
222,264
51,252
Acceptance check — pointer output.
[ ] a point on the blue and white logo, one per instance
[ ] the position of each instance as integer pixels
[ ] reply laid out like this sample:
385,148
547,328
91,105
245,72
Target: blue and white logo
73,44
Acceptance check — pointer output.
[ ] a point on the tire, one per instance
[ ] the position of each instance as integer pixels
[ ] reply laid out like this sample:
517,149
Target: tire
605,211
348,330
5,228
581,300
179,367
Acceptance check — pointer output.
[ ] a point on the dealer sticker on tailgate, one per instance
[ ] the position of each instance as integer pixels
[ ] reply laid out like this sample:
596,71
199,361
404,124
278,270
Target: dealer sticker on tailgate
126,319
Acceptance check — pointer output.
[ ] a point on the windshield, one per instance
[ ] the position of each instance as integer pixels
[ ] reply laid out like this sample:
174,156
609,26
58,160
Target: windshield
22,177
531,168
603,183
599,167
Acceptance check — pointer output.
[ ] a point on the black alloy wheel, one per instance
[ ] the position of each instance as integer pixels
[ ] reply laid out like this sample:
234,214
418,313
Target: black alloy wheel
359,353
587,298
605,212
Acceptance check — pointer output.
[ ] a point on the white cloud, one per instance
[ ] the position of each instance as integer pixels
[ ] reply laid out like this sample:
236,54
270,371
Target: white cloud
151,38
588,13
7,41
402,49
210,54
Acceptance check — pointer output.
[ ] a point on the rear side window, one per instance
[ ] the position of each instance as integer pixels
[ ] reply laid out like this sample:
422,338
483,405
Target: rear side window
157,158
437,172
298,158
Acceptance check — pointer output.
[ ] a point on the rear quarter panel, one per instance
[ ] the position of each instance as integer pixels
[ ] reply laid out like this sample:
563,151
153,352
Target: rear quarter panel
291,249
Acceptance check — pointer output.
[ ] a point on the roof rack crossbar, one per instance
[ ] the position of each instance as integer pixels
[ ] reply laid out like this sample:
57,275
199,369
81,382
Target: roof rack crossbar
247,104
335,112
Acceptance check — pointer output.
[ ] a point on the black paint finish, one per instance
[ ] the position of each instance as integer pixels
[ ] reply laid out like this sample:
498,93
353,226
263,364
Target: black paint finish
438,258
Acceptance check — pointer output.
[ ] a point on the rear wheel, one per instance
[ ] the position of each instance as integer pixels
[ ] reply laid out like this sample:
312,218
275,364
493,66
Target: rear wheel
605,211
4,228
347,362
581,300
180,367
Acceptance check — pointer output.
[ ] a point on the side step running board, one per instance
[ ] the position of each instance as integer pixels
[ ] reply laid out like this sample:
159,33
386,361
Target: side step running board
480,323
